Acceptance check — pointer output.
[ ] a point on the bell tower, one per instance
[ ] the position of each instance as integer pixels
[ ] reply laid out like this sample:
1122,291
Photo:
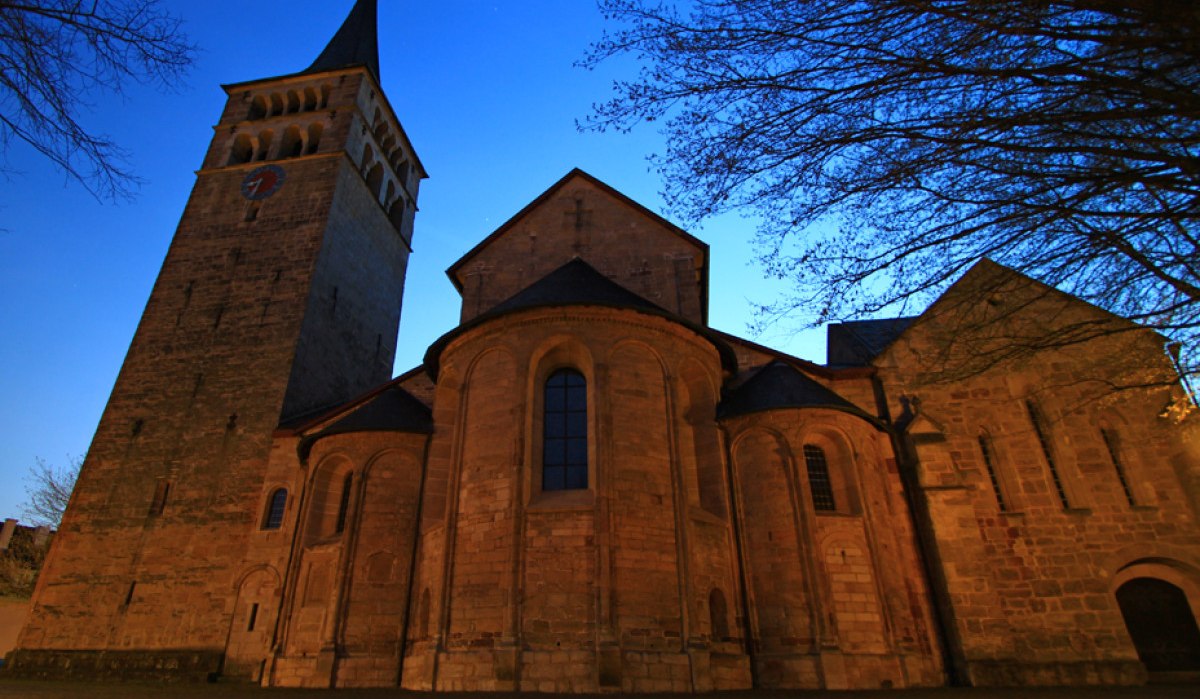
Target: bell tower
280,296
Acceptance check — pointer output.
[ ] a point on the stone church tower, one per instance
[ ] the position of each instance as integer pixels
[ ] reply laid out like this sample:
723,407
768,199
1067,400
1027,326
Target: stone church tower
584,487
280,295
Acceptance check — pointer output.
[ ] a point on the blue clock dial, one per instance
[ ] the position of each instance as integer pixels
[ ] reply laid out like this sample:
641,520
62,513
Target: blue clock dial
263,182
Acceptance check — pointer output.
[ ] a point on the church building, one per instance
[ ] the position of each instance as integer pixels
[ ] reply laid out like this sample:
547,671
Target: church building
584,487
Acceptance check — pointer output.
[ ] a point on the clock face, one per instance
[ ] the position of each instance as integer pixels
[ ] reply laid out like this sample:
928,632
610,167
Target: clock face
263,182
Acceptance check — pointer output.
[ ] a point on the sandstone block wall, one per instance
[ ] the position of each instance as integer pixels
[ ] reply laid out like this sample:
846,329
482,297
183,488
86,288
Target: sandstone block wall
607,587
1036,521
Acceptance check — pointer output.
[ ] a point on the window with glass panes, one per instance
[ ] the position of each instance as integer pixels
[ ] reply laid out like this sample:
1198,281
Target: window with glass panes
818,478
275,509
564,432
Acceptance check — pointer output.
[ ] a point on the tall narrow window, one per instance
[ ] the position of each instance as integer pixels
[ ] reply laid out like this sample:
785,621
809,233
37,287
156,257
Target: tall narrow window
275,509
1036,418
989,462
718,614
344,505
159,502
1114,453
818,478
564,436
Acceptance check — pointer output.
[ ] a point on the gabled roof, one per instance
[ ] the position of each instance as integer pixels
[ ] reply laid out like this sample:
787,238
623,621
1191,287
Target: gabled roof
391,410
779,385
355,43
387,408
857,342
986,269
576,284
453,270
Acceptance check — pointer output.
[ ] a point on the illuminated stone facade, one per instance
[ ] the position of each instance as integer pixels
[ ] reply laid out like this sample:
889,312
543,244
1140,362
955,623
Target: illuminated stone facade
584,488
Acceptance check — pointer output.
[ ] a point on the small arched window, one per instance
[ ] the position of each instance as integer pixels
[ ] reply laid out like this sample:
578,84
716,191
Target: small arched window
344,504
243,150
314,138
292,144
375,180
718,613
396,213
423,615
564,435
264,144
258,107
818,478
276,506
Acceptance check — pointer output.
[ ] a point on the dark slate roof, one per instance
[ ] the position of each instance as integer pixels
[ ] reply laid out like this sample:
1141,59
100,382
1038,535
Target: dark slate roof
392,410
356,43
576,284
779,385
857,342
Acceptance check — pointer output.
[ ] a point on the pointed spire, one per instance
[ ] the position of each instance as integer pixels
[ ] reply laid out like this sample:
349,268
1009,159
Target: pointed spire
356,43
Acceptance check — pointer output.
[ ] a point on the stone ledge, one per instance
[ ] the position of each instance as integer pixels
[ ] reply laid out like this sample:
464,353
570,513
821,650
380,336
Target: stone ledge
1011,673
187,665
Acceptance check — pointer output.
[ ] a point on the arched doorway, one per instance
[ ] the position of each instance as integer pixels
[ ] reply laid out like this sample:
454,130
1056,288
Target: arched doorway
1161,624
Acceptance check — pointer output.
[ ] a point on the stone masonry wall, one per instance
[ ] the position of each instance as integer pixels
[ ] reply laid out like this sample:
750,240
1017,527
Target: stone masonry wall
1034,531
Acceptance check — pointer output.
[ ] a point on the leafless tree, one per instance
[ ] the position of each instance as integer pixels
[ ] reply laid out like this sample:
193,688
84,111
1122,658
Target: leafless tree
48,489
886,145
56,54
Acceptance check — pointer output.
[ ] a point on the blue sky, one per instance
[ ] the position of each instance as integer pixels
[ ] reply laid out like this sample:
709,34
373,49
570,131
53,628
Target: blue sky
489,96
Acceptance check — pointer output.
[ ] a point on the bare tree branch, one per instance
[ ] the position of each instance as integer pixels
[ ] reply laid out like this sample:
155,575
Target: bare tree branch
886,145
56,54
48,489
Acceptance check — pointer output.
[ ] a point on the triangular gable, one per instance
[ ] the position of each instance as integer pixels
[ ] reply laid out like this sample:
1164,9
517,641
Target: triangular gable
994,316
580,216
991,274
576,283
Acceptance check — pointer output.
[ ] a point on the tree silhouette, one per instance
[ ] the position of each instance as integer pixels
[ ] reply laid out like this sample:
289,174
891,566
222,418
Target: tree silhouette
48,489
54,54
887,145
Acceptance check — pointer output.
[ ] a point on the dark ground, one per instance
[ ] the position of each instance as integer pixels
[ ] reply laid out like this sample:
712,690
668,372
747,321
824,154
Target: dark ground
29,689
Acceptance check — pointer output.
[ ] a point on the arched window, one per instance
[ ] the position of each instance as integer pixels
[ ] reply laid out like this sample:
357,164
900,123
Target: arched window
375,180
818,478
275,509
1039,429
564,435
1114,455
718,614
264,144
314,138
989,463
396,213
344,505
423,615
310,99
292,144
258,107
243,150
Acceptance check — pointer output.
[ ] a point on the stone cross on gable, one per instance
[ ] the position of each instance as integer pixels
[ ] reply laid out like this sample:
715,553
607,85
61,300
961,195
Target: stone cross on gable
579,216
